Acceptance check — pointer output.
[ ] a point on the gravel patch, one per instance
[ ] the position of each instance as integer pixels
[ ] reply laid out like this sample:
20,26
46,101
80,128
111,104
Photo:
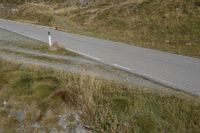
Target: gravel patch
10,41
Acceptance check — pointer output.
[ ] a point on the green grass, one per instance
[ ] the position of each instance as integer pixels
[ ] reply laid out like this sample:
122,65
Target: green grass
106,106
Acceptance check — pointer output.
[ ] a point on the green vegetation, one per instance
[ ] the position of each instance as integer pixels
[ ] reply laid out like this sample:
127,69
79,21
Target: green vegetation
106,106
172,25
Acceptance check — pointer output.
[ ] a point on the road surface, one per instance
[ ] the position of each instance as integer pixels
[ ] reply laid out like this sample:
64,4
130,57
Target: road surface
176,71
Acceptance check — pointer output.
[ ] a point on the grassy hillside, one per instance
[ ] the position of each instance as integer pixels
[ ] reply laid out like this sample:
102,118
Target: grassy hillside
45,94
172,25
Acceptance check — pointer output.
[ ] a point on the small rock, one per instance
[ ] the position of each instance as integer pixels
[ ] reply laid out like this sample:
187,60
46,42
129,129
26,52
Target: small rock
167,41
5,103
7,107
21,129
36,125
62,122
53,130
71,123
177,9
166,15
188,44
80,129
20,116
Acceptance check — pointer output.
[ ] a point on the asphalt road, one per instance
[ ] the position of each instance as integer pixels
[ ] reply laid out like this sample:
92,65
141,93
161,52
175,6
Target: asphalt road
176,71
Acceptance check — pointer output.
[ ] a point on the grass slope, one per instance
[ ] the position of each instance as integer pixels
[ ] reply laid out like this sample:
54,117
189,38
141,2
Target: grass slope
172,25
105,106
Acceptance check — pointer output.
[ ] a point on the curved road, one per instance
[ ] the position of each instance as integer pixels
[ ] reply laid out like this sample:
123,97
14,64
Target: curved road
176,71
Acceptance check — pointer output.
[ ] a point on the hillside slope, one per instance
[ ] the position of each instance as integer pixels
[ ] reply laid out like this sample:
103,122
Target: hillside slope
172,25
40,92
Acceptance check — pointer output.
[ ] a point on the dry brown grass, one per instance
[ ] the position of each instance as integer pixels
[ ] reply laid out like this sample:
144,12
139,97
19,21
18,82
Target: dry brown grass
106,106
68,96
171,26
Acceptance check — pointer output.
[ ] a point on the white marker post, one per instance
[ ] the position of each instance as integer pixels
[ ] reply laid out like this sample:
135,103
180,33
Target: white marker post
50,41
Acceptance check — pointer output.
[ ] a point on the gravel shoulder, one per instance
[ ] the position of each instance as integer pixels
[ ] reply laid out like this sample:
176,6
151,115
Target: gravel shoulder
50,91
15,48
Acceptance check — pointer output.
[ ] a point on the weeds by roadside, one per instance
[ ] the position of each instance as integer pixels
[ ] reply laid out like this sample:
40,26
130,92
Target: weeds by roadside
104,106
171,26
